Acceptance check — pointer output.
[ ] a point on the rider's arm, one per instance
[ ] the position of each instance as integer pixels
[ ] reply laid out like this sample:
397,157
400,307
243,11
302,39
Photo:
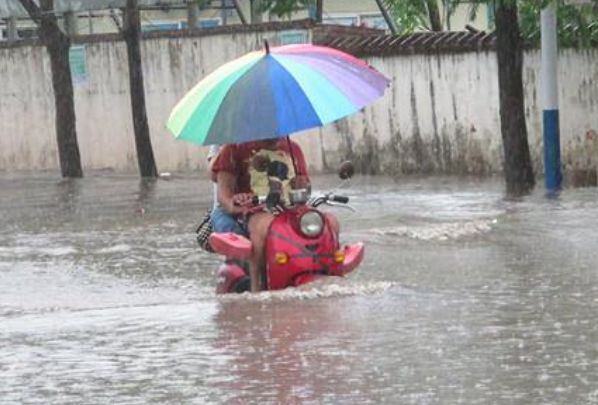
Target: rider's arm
212,155
233,203
225,172
301,178
226,192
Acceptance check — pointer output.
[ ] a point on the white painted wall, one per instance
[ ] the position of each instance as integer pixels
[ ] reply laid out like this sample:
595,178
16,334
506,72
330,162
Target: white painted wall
104,120
408,130
459,126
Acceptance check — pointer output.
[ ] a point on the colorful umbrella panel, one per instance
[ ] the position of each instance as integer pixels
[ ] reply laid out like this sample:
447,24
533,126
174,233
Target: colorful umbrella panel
275,93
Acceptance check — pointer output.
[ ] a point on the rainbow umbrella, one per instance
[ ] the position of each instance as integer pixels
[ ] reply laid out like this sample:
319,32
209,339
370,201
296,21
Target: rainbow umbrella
273,93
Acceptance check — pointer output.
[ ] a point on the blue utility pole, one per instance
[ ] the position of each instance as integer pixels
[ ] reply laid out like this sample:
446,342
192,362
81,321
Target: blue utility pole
550,99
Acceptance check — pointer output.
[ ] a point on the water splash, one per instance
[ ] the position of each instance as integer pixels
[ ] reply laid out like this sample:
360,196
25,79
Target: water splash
321,289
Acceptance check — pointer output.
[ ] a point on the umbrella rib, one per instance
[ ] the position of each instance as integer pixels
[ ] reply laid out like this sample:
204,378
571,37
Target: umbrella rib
187,106
329,102
207,107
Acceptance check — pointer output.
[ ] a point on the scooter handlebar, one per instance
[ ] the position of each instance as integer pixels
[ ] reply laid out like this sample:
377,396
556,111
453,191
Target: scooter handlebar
339,198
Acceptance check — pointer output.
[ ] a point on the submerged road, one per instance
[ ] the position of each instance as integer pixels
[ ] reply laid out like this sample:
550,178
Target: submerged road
464,297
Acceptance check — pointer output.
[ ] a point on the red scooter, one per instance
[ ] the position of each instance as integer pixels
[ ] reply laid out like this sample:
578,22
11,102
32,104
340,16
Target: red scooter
301,246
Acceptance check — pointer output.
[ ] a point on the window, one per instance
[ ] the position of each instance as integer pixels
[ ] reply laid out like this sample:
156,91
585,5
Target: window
342,20
354,20
161,26
292,37
204,23
373,21
209,22
26,33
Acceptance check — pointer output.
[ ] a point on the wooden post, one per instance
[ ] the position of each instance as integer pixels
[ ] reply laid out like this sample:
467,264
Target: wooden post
192,15
11,28
224,12
71,25
90,21
319,10
256,14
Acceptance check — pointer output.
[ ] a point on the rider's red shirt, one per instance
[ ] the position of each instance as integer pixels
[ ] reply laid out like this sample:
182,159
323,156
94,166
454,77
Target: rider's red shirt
240,160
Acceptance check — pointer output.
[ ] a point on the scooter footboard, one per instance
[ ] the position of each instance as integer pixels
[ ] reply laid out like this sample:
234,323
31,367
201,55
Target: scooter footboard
230,244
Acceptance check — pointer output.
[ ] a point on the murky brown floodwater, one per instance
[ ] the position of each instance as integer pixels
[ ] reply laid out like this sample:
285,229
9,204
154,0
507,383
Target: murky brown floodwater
464,298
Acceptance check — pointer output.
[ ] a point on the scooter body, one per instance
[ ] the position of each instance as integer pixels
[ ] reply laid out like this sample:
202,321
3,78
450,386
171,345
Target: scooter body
295,253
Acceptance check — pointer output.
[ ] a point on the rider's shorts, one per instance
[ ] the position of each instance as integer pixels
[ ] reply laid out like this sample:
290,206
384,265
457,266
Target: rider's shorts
223,221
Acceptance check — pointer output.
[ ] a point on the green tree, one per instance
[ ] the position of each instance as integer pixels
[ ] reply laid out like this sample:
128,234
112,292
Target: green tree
429,15
577,23
143,144
285,8
57,44
518,170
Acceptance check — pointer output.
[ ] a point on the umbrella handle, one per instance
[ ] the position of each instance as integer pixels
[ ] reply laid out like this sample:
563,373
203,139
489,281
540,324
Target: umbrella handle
266,46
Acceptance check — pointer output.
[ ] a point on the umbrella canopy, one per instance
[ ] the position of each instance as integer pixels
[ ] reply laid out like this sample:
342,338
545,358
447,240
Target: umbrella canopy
273,93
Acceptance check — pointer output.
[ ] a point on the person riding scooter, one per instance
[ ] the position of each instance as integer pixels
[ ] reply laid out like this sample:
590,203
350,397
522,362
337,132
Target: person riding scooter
260,168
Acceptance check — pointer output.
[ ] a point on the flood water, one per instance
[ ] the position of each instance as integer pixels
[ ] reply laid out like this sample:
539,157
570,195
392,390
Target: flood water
464,297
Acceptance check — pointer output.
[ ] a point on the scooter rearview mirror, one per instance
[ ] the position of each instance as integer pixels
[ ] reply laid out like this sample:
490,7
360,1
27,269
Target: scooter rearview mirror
346,170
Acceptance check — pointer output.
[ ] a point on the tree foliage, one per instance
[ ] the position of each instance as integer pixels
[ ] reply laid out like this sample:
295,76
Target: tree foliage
577,24
57,44
415,15
285,8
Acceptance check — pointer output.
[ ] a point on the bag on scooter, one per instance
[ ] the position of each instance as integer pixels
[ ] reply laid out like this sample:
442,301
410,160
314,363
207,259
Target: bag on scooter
204,230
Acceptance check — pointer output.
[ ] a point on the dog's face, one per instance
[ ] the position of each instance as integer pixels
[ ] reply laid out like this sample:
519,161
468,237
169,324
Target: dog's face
260,162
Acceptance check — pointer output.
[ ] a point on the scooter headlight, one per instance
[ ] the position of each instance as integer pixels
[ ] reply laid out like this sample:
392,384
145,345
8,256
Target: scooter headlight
311,224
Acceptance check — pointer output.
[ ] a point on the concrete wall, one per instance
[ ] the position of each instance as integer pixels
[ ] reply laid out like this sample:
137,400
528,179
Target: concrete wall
104,124
439,115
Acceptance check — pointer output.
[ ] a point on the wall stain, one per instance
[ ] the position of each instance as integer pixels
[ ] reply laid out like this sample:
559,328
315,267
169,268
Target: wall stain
346,144
436,144
416,146
390,155
455,116
580,160
174,51
447,152
367,154
324,162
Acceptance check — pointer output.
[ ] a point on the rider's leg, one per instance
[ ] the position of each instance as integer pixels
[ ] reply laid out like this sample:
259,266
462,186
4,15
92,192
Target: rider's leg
259,224
223,221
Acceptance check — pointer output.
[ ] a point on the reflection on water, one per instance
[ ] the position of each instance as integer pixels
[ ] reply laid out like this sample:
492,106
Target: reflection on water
464,297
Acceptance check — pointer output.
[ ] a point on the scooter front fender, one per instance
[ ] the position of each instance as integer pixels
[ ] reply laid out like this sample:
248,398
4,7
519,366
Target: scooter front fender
353,257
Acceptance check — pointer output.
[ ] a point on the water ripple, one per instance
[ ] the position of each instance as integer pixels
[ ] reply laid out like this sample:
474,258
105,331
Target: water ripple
438,231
